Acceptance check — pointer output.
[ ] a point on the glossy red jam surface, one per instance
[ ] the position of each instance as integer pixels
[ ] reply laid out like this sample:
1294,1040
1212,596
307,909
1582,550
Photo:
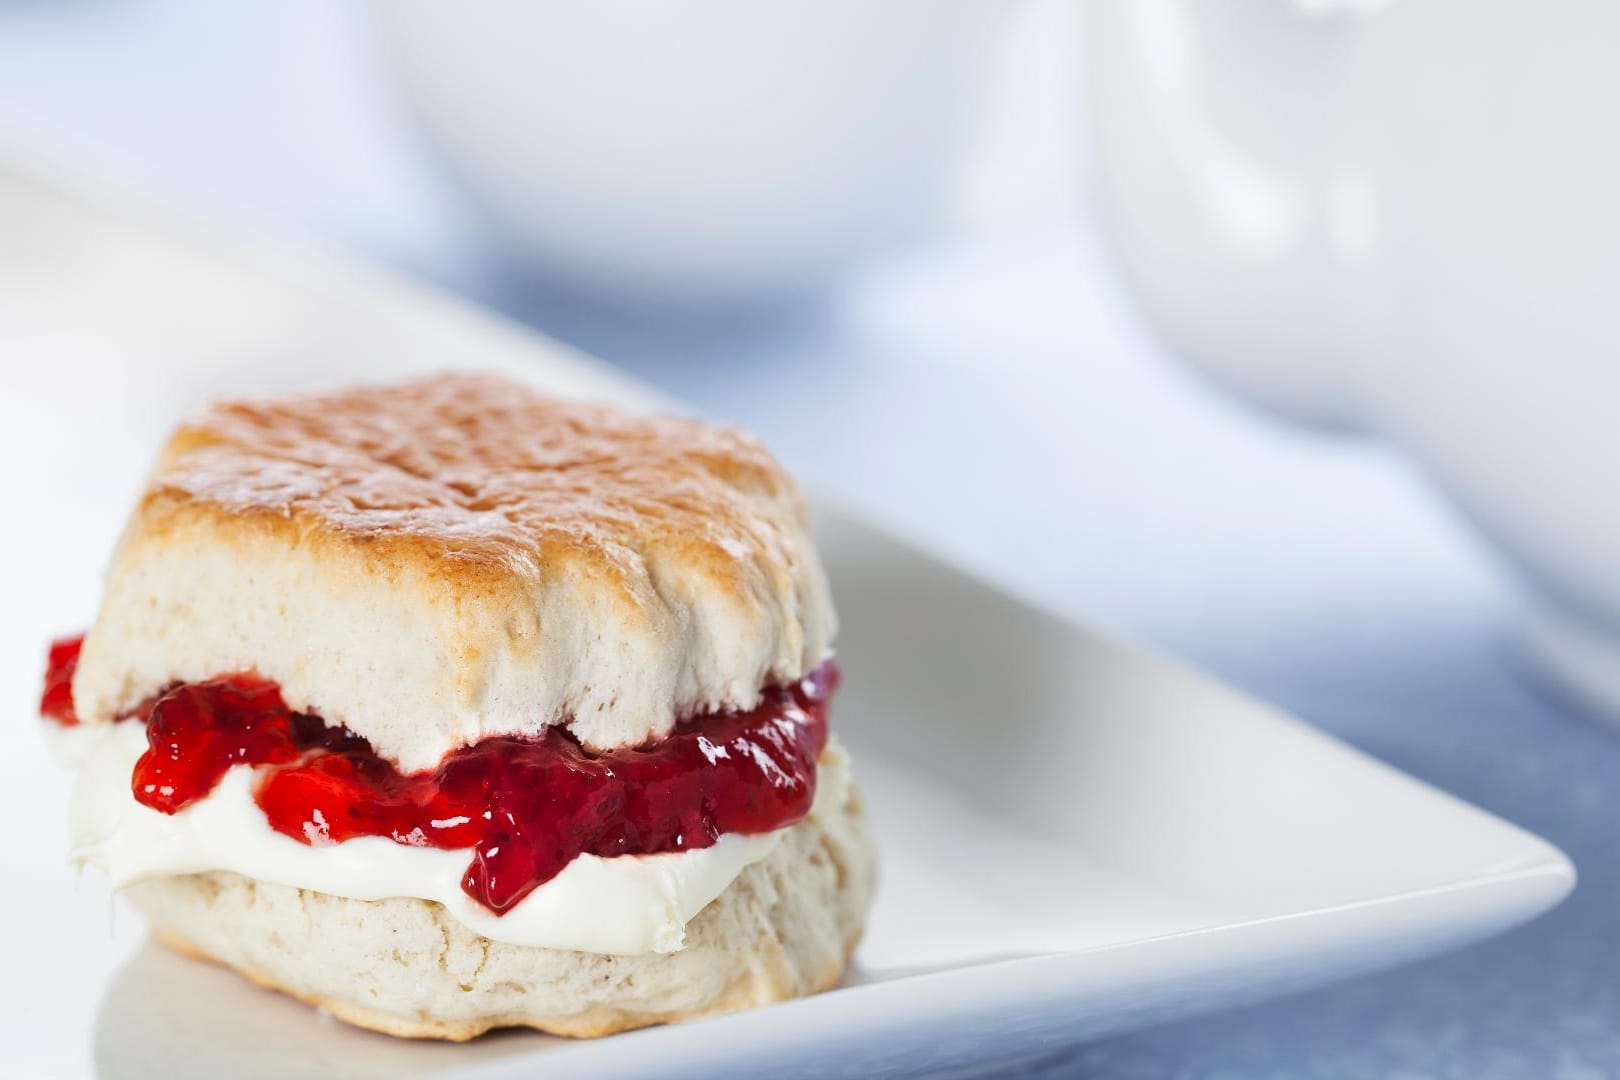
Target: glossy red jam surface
525,806
60,663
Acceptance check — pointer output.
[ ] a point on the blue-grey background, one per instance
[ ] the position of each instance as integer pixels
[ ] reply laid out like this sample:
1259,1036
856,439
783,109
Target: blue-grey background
993,396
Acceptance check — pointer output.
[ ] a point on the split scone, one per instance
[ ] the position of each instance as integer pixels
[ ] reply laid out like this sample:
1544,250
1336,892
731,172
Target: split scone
447,706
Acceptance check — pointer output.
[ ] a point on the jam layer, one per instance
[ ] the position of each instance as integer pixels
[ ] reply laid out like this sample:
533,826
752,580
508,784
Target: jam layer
525,806
61,662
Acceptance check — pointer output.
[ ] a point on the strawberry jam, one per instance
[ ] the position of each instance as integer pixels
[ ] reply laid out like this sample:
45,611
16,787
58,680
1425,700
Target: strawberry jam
525,806
60,664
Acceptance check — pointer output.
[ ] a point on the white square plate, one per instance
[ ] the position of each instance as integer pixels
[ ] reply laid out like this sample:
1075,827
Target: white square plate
1077,838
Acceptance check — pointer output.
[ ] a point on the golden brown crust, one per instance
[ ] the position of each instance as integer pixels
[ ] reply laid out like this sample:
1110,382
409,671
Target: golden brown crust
470,473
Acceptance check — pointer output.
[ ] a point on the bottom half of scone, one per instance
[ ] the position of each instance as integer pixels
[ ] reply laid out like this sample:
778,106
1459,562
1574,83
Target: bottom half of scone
785,927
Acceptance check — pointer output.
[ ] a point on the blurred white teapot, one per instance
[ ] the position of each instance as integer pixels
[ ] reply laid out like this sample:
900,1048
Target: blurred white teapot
1404,216
699,150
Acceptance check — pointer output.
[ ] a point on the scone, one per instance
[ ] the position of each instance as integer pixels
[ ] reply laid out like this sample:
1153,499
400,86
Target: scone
447,706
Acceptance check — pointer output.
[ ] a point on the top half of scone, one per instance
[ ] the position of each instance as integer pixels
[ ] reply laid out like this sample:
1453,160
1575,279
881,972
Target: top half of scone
435,563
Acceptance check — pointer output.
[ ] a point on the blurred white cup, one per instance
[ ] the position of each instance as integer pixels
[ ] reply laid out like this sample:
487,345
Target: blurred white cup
705,150
1403,216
